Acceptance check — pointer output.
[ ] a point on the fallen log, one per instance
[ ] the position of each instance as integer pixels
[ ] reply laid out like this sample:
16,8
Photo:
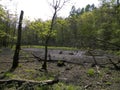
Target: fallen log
32,82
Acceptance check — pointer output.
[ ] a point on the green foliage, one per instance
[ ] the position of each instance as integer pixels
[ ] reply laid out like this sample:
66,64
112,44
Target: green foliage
91,72
7,27
2,34
81,29
42,29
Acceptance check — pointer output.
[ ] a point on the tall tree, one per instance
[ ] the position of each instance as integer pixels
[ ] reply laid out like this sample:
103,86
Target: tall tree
18,44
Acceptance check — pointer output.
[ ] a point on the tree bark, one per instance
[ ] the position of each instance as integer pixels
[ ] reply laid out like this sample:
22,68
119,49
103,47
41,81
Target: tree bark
18,44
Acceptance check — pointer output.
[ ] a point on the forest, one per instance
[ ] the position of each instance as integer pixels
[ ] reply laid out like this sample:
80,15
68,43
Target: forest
79,52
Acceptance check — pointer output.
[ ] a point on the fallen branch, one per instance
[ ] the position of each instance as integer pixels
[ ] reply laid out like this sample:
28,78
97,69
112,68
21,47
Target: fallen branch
87,86
38,58
114,64
64,61
21,81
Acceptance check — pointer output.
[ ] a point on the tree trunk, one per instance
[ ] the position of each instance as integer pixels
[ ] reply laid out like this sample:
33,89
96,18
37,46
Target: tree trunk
18,44
44,66
117,2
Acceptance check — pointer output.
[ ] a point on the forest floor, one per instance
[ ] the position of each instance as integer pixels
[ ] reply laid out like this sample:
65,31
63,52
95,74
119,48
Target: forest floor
77,71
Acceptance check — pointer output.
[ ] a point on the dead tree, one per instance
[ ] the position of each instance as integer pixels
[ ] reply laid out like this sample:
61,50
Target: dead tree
18,44
57,5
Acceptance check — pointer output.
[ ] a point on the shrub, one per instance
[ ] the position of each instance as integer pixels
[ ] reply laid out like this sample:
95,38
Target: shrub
91,72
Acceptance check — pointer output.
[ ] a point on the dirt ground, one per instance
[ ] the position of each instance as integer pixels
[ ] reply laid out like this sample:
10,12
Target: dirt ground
79,73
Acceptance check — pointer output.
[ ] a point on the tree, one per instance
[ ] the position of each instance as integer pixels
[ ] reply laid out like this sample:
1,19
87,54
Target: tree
7,27
56,5
3,20
18,44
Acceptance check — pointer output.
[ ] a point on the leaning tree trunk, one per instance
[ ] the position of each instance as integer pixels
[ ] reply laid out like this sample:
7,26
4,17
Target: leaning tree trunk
18,44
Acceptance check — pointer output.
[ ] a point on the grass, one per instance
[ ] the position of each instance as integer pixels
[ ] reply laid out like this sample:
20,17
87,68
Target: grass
59,86
62,86
107,78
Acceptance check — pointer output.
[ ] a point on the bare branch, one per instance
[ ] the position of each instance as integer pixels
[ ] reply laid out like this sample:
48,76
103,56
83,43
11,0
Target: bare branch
65,1
58,4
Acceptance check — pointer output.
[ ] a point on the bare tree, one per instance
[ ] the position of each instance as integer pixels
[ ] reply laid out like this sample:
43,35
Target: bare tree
57,6
18,44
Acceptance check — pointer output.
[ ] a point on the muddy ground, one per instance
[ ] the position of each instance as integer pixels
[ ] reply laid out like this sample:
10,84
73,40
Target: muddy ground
105,77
